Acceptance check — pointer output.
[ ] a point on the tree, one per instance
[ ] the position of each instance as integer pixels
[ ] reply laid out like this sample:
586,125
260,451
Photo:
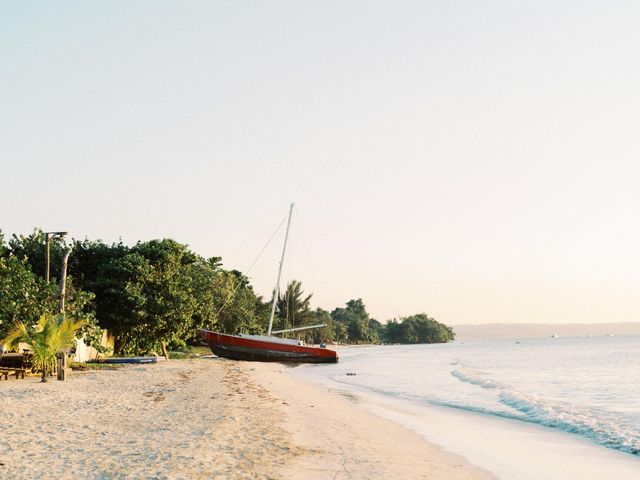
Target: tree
238,308
394,332
169,302
324,334
145,294
25,297
419,328
22,296
205,277
160,291
51,335
293,307
355,319
31,248
375,331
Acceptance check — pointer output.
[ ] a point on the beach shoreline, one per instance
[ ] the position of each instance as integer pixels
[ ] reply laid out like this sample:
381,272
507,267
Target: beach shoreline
429,390
204,418
343,440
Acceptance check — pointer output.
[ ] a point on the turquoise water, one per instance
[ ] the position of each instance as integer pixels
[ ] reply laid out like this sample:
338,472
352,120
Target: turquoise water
584,387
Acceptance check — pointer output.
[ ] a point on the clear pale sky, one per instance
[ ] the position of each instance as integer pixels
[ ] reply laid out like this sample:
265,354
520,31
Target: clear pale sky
477,161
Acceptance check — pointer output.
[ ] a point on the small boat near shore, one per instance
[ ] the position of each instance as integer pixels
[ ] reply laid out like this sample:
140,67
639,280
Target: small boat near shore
113,360
263,348
269,348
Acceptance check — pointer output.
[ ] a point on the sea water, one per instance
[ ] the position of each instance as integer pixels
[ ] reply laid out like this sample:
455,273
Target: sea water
550,408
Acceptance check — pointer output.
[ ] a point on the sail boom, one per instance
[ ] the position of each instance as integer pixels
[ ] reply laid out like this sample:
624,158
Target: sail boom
300,328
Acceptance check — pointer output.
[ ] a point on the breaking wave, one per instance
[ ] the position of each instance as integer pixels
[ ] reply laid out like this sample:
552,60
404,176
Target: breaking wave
474,377
592,423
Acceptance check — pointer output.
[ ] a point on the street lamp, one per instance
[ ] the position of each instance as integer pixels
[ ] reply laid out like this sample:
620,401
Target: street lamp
48,236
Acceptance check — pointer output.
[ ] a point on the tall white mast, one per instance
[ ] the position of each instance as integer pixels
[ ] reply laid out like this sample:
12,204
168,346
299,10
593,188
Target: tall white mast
276,291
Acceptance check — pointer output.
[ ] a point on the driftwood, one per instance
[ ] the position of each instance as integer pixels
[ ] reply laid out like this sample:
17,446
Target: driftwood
164,350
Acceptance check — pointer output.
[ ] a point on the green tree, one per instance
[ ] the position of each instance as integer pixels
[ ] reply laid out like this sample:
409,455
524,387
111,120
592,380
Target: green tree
22,296
51,335
25,297
419,328
160,291
292,307
375,331
324,334
206,284
428,330
32,248
170,303
340,329
152,292
145,295
393,332
355,320
239,309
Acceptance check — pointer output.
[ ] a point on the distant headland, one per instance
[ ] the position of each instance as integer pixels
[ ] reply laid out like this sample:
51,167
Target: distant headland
523,330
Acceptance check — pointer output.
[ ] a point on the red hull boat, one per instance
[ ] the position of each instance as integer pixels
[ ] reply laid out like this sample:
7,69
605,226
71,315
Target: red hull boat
266,349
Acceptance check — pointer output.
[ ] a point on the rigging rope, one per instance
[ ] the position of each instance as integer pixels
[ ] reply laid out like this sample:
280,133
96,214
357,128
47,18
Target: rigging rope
251,266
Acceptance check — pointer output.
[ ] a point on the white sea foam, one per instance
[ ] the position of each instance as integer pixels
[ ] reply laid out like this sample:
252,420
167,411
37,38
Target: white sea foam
475,378
574,419
598,425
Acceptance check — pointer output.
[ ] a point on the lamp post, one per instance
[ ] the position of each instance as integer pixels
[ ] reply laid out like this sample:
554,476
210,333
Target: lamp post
48,236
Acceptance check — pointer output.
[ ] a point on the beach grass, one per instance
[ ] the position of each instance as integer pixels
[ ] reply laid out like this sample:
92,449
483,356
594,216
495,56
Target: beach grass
189,353
81,366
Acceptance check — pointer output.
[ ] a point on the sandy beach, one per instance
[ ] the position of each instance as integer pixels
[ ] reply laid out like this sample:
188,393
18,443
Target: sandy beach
204,418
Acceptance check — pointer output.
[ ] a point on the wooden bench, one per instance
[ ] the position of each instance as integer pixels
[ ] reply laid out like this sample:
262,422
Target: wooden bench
6,371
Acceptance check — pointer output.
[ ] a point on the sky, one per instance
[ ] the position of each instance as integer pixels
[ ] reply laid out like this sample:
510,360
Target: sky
477,161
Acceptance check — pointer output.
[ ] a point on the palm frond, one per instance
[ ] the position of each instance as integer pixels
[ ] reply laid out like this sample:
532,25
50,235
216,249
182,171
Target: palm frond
48,337
18,333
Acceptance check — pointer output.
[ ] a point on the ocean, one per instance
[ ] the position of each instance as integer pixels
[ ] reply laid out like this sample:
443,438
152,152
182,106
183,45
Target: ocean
543,408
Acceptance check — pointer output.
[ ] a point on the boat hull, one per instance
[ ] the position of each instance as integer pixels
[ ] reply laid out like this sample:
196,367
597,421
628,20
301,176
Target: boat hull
239,348
114,360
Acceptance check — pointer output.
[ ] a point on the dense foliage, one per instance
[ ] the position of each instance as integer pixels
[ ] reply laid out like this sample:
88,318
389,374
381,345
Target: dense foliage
352,323
25,296
417,329
161,291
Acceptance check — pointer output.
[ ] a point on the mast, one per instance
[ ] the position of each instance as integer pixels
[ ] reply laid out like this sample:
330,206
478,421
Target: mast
276,291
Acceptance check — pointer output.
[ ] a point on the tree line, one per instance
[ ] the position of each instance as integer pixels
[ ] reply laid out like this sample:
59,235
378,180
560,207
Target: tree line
161,291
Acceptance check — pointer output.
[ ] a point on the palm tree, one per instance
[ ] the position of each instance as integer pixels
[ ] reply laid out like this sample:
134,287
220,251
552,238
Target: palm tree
51,335
293,306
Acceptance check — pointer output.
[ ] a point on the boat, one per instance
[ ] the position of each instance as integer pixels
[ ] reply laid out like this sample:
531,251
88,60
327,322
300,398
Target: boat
114,360
269,348
266,348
